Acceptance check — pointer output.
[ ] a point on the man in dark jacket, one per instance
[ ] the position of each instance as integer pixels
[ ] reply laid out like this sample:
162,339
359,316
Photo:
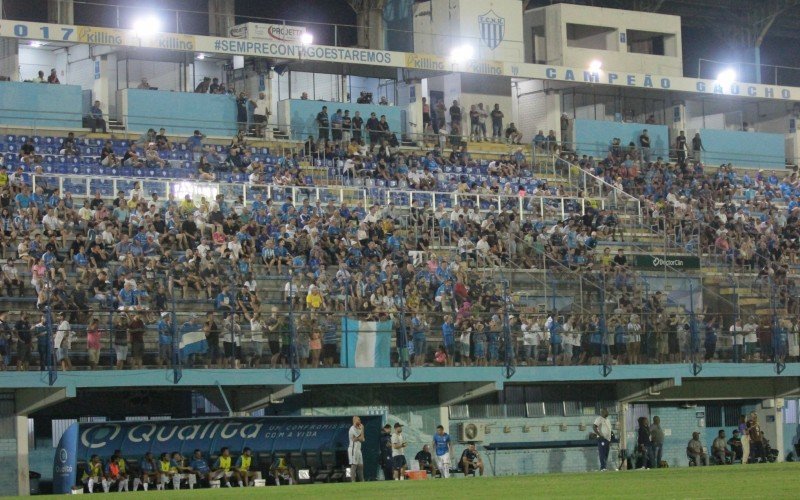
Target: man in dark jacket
385,452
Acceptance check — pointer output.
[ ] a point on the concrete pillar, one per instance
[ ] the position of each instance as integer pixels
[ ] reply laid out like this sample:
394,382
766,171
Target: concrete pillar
9,58
553,105
220,17
103,89
371,26
61,11
13,449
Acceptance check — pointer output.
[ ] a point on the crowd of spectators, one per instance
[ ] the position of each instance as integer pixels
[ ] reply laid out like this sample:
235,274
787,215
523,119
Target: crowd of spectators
137,252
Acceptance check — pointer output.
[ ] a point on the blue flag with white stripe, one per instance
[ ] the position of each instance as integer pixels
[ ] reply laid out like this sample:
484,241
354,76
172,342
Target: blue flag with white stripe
193,341
366,344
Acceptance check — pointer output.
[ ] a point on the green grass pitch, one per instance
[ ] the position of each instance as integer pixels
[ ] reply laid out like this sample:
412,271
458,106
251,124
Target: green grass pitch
735,481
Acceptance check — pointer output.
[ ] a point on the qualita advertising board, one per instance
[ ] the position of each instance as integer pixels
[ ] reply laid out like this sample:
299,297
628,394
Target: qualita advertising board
262,434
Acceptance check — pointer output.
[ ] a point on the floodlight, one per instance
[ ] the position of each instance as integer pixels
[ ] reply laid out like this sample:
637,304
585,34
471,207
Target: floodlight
596,65
146,26
36,44
201,56
306,38
462,53
726,77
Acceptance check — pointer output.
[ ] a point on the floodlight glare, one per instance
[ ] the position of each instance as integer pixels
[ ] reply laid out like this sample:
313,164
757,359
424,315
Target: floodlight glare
595,65
726,77
462,53
36,45
147,26
306,38
200,57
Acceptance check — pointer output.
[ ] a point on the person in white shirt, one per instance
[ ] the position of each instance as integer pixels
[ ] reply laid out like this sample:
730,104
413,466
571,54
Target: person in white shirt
571,340
602,429
531,337
257,339
737,334
356,437
398,453
62,342
261,114
750,339
634,339
463,345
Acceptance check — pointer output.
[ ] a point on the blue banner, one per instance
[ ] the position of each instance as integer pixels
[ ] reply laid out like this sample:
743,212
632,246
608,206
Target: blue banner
263,435
366,344
65,465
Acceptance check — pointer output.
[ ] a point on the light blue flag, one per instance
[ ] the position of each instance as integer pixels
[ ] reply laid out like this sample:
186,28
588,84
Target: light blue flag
192,341
365,344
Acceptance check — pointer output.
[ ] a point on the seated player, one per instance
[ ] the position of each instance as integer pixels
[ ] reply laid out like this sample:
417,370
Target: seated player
182,472
115,473
149,472
282,471
242,467
471,460
166,472
200,467
425,461
93,474
223,468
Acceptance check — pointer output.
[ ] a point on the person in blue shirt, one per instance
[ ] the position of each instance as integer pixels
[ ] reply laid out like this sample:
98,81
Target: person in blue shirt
127,296
449,338
96,118
442,451
166,334
224,301
199,466
418,328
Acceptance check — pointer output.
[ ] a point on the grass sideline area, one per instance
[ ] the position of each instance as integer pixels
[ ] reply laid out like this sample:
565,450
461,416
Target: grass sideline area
752,481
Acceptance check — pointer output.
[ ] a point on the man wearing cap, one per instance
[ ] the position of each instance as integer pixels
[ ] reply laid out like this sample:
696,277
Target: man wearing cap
695,452
398,453
356,437
385,452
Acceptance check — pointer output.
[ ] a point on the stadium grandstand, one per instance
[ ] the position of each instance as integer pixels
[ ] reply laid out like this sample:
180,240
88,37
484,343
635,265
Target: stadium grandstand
285,252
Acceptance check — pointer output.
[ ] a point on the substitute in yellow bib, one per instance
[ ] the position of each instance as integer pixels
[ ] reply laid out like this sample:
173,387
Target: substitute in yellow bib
242,467
223,468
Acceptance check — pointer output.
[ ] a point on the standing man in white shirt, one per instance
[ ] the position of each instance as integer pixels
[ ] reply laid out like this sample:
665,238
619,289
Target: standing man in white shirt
737,335
62,342
602,428
356,436
261,114
750,339
398,453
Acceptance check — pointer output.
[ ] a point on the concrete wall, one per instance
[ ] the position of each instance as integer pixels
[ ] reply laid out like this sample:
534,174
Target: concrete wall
40,105
441,25
179,112
615,56
593,137
302,114
743,149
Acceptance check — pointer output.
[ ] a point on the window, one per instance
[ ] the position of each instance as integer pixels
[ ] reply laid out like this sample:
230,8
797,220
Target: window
584,36
648,42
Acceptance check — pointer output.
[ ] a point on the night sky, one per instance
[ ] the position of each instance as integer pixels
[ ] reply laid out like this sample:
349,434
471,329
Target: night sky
696,43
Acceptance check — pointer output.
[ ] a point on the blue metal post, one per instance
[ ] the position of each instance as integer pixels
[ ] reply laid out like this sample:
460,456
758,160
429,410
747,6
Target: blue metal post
510,368
293,364
177,371
403,341
697,366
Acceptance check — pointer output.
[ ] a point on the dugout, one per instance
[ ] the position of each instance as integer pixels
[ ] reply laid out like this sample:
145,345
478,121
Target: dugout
313,442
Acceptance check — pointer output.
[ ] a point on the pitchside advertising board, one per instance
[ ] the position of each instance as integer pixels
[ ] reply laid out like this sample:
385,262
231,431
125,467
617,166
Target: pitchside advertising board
263,435
293,50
